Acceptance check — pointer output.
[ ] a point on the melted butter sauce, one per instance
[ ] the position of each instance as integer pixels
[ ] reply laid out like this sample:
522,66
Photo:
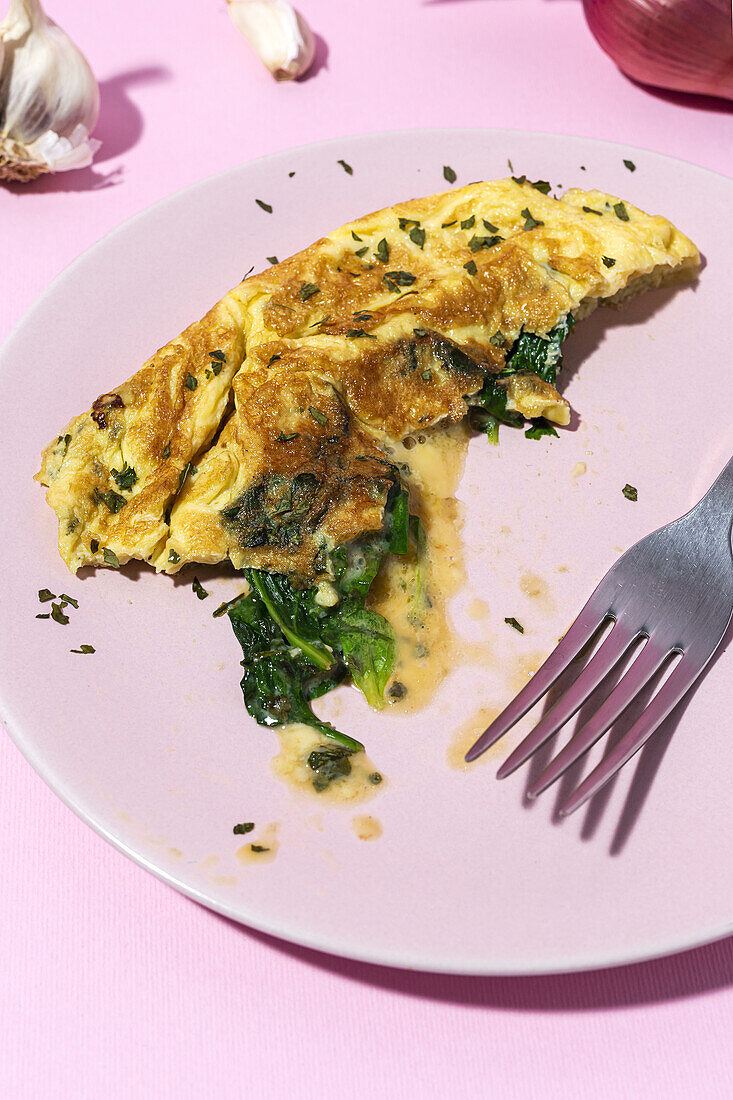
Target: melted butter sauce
413,595
366,827
297,741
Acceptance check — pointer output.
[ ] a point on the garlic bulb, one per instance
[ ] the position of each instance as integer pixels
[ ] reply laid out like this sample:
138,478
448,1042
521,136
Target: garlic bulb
49,99
685,45
278,33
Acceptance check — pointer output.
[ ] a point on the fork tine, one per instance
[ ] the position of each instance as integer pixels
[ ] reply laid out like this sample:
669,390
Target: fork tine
647,663
602,662
579,634
680,681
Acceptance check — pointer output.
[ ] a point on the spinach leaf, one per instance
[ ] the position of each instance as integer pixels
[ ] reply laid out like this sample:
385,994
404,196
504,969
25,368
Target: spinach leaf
296,650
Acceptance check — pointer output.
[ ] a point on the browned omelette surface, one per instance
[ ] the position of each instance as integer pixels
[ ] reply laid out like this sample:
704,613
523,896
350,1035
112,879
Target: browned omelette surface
260,433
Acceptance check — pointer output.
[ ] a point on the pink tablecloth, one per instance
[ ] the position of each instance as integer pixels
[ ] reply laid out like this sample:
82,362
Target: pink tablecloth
111,984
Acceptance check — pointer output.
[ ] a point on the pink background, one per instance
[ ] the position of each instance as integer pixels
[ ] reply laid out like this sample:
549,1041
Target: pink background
111,983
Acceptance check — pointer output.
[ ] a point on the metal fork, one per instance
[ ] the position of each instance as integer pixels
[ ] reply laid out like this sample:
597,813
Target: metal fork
673,591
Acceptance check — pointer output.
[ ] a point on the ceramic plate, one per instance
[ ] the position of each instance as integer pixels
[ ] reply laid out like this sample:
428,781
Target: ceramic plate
147,739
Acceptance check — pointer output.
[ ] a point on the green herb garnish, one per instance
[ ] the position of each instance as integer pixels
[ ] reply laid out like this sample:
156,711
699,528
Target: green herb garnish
329,763
68,600
621,212
167,451
245,827
449,174
283,438
272,260
630,492
417,236
199,589
174,557
57,614
471,267
382,251
84,649
307,291
395,279
45,594
191,383
426,375
477,243
110,558
355,333
590,210
346,167
94,545
318,416
114,502
513,622
529,221
126,477
375,778
608,261
468,223
362,251
630,165
491,228
264,205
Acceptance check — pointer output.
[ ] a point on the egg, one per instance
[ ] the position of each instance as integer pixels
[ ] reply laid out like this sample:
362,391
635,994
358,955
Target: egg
261,434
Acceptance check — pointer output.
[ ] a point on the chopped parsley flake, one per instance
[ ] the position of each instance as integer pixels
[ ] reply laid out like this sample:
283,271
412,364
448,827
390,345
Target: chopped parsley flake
630,492
530,222
318,416
449,174
630,165
590,210
498,340
447,225
94,545
264,205
540,428
417,236
84,649
355,236
477,243
272,259
283,438
167,451
346,167
114,501
471,267
420,331
426,375
199,589
362,251
245,827
110,558
258,848
46,616
375,778
191,382
468,223
68,600
126,477
395,279
57,614
355,333
383,251
44,595
513,622
621,212
307,291
217,353
608,261
174,557
491,228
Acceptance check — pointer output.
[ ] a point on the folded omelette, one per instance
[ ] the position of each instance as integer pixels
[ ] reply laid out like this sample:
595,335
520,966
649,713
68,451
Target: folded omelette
259,433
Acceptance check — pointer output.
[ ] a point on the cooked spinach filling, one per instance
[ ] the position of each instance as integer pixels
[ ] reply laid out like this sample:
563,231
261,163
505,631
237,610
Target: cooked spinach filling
298,645
540,355
295,649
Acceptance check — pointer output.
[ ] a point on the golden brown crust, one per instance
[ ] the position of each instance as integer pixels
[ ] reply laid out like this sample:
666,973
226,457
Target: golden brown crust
395,318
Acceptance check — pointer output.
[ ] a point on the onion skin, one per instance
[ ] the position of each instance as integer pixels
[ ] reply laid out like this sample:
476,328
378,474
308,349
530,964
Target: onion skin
683,45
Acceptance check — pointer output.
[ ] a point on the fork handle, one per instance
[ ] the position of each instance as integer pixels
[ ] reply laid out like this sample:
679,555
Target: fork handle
716,507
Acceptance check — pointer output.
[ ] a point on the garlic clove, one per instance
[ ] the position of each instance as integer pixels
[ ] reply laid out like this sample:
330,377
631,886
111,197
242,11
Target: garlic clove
684,45
278,33
49,98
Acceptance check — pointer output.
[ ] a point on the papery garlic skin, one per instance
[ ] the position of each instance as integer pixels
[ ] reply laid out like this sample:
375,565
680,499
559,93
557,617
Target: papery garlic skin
278,33
49,97
684,45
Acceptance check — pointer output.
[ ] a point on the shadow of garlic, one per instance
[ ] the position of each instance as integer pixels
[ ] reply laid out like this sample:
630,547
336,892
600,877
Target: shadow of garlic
49,99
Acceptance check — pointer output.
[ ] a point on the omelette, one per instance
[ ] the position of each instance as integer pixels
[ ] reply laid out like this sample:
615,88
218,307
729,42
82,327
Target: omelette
262,434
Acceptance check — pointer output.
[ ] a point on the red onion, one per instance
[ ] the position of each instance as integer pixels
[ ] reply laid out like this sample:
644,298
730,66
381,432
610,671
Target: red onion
685,45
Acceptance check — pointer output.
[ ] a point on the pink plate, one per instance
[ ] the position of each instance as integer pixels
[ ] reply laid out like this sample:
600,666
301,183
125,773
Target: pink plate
147,739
